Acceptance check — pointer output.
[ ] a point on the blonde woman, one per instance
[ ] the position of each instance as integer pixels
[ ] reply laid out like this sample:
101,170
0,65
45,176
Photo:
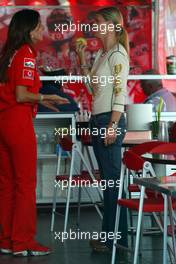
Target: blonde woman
111,65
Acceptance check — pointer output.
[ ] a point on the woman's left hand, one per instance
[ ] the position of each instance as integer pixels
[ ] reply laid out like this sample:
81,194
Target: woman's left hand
50,105
54,98
111,136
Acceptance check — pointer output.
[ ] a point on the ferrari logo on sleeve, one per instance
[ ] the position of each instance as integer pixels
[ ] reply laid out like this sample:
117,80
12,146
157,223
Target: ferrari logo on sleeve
117,68
28,74
117,79
29,63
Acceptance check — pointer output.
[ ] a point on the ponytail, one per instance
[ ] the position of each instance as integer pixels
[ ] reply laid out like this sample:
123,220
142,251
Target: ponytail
123,40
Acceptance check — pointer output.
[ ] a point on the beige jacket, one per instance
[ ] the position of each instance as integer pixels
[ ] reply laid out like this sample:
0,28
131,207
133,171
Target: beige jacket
108,79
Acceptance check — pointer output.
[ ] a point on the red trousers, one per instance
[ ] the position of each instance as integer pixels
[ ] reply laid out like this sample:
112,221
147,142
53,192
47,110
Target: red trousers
18,158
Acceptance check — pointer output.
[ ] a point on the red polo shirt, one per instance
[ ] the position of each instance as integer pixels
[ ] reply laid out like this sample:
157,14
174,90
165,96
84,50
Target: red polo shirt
21,71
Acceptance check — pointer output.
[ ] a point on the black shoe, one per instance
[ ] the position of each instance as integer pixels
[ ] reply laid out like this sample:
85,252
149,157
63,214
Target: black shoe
99,246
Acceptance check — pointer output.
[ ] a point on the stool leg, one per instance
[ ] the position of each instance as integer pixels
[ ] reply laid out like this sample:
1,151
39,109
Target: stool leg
122,176
79,207
55,190
141,236
94,203
69,189
139,225
165,230
89,158
88,169
159,221
54,208
80,191
171,216
83,161
115,232
131,225
130,211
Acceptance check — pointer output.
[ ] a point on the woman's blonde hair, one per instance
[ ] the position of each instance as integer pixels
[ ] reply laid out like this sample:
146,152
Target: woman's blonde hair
113,14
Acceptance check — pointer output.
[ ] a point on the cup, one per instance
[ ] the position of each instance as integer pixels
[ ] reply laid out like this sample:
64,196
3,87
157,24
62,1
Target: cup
163,134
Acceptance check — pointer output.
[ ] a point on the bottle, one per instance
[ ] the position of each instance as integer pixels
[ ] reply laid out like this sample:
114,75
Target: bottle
171,64
38,143
52,143
44,140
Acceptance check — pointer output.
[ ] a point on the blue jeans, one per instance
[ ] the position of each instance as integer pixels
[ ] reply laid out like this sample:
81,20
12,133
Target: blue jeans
109,162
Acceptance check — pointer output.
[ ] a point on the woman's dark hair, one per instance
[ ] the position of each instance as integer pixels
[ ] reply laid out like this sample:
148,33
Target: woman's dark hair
22,23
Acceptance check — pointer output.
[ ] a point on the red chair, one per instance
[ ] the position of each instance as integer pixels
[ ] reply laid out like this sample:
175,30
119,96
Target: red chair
136,163
166,148
159,147
169,149
80,179
139,150
146,147
133,188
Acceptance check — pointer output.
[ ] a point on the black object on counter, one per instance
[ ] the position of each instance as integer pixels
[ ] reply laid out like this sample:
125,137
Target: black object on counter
52,87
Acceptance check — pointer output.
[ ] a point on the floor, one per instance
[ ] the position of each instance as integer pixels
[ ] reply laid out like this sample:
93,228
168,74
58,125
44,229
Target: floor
78,251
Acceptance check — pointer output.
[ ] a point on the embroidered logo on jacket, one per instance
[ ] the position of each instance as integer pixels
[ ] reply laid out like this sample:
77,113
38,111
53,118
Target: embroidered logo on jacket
29,63
28,74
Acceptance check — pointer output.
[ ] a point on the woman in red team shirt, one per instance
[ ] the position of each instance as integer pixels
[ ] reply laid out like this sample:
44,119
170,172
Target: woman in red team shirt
19,95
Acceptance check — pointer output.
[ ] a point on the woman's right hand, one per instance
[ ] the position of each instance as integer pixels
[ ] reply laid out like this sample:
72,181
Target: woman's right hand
80,49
